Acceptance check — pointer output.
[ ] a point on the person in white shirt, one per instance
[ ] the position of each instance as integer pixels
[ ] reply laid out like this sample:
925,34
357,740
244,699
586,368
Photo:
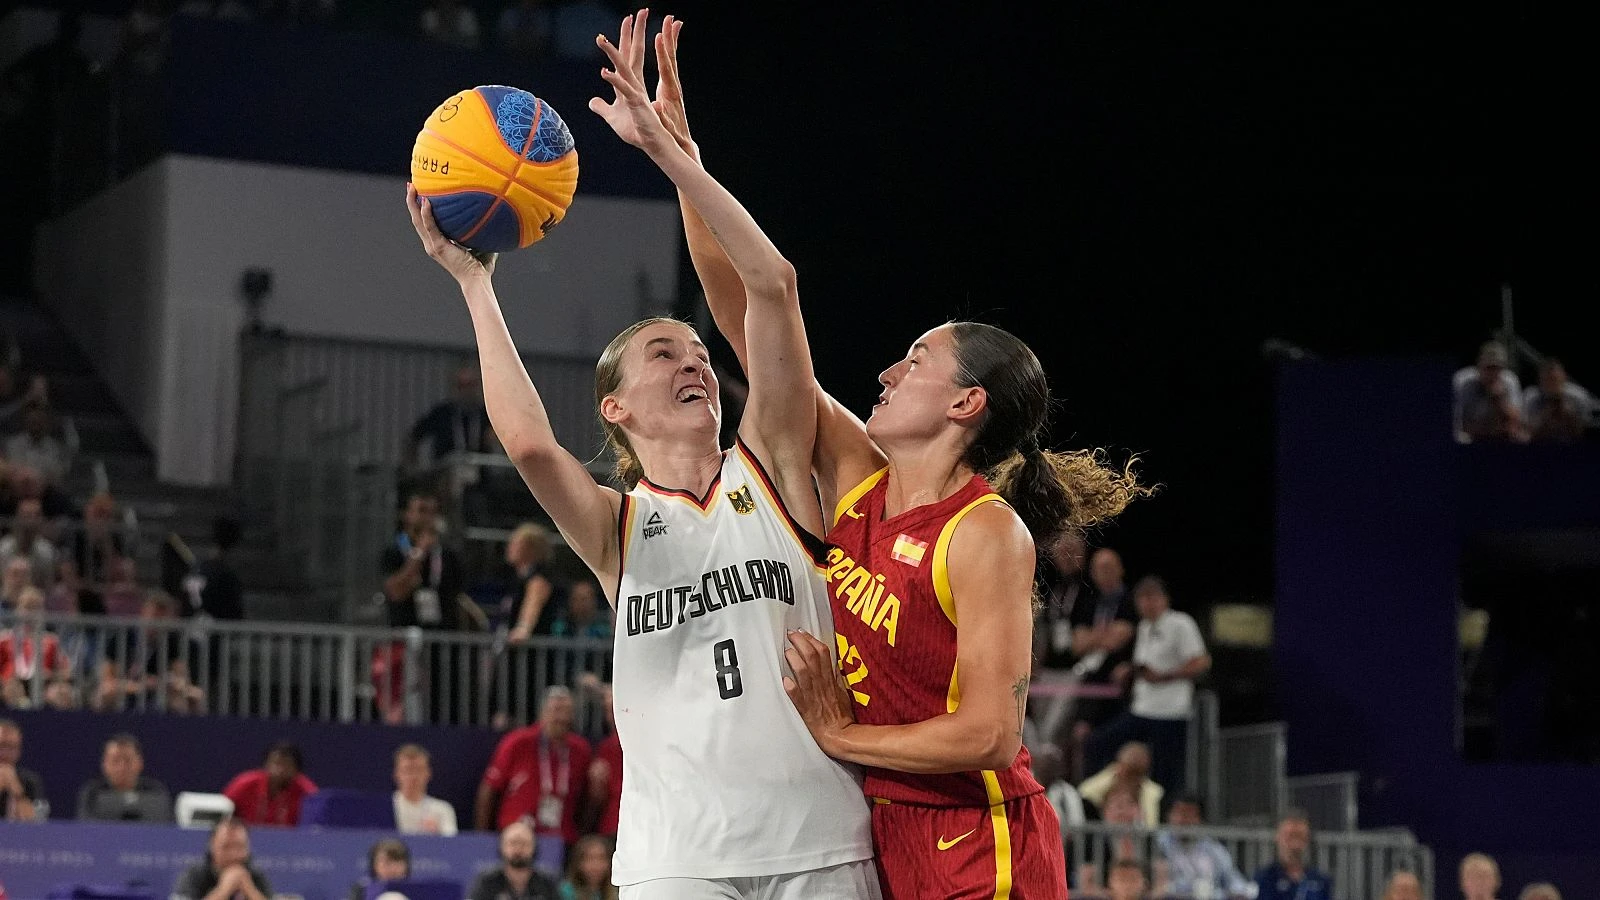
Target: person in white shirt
414,811
1168,655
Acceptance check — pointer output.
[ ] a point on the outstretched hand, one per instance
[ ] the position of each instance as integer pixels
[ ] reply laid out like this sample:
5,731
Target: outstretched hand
817,690
462,263
669,90
631,115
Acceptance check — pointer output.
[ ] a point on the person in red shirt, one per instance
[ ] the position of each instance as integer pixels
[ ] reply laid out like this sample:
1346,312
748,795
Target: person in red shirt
28,652
271,795
605,774
538,775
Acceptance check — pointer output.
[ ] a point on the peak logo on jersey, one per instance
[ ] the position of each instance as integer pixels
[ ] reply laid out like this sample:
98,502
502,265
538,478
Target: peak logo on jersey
743,503
755,579
909,550
862,593
654,527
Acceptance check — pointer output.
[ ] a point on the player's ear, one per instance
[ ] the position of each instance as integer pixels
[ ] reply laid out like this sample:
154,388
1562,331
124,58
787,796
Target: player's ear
969,406
611,409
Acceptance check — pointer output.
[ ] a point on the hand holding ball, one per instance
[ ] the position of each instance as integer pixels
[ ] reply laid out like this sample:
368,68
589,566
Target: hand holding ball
497,165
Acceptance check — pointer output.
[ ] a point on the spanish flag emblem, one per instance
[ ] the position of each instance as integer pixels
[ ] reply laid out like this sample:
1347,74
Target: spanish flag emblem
909,550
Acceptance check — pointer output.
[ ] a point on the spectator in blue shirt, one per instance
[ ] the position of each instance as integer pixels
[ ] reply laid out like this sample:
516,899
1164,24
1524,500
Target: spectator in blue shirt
1292,877
1195,866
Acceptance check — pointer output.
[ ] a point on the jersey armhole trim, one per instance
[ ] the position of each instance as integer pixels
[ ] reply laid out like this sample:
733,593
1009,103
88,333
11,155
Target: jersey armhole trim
856,493
813,546
624,530
941,556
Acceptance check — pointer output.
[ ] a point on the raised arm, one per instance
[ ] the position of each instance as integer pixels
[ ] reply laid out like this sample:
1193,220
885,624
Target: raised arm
779,421
583,511
843,455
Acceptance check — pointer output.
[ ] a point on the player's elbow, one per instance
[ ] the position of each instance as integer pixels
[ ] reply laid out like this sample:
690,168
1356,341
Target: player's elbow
532,454
997,747
775,282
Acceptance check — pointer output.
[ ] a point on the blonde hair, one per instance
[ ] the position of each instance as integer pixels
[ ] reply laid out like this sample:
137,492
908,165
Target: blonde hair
607,379
534,533
411,750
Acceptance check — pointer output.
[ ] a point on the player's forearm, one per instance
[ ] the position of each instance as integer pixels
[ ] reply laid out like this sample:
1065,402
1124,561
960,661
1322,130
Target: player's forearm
515,410
937,746
720,280
763,270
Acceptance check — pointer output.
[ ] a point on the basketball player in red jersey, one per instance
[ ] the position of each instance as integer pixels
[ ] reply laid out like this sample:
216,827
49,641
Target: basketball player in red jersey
937,502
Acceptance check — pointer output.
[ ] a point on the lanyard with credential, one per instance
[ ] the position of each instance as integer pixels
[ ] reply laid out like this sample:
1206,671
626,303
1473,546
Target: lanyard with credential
555,785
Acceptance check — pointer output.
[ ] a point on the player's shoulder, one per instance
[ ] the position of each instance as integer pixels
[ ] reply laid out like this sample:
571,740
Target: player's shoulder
992,526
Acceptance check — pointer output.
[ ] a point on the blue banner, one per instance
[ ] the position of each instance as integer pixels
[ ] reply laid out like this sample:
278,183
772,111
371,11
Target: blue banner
311,863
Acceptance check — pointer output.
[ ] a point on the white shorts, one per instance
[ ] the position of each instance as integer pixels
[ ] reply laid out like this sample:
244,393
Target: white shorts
849,881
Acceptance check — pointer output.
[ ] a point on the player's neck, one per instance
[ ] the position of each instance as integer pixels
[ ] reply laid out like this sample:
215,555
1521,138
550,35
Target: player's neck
920,477
679,467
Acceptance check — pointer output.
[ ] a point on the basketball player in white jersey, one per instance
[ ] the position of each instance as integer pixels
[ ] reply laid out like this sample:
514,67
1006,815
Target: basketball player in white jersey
708,559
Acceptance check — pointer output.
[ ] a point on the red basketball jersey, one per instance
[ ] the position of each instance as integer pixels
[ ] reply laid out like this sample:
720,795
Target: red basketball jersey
896,623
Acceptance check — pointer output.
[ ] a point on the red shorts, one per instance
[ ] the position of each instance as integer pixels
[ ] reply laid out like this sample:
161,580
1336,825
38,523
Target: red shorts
1012,851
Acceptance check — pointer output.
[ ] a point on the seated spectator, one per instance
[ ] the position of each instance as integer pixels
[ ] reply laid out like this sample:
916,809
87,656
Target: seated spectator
582,617
27,541
1405,886
18,393
528,605
1540,891
538,774
1168,655
526,28
1488,399
1124,843
37,446
22,797
605,775
123,596
226,872
1127,881
29,654
1050,770
214,586
414,811
1480,877
1556,411
152,671
515,876
122,793
1195,866
1131,769
271,795
451,22
23,482
1291,876
95,548
388,860
16,577
589,870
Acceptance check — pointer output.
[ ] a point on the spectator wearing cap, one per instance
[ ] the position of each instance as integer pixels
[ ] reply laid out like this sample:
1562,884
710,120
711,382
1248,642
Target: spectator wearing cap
1488,399
1556,411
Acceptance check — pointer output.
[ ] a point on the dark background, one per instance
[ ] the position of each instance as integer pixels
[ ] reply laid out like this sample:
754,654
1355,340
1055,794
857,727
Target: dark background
1145,194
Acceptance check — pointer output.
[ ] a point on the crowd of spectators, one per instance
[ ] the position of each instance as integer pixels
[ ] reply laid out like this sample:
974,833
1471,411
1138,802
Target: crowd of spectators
1491,404
556,834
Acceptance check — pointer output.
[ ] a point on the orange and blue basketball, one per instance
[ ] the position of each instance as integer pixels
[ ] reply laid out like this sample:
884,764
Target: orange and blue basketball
498,166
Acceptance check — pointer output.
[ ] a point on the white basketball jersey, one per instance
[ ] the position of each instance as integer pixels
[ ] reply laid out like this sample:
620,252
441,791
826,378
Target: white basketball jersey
720,777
